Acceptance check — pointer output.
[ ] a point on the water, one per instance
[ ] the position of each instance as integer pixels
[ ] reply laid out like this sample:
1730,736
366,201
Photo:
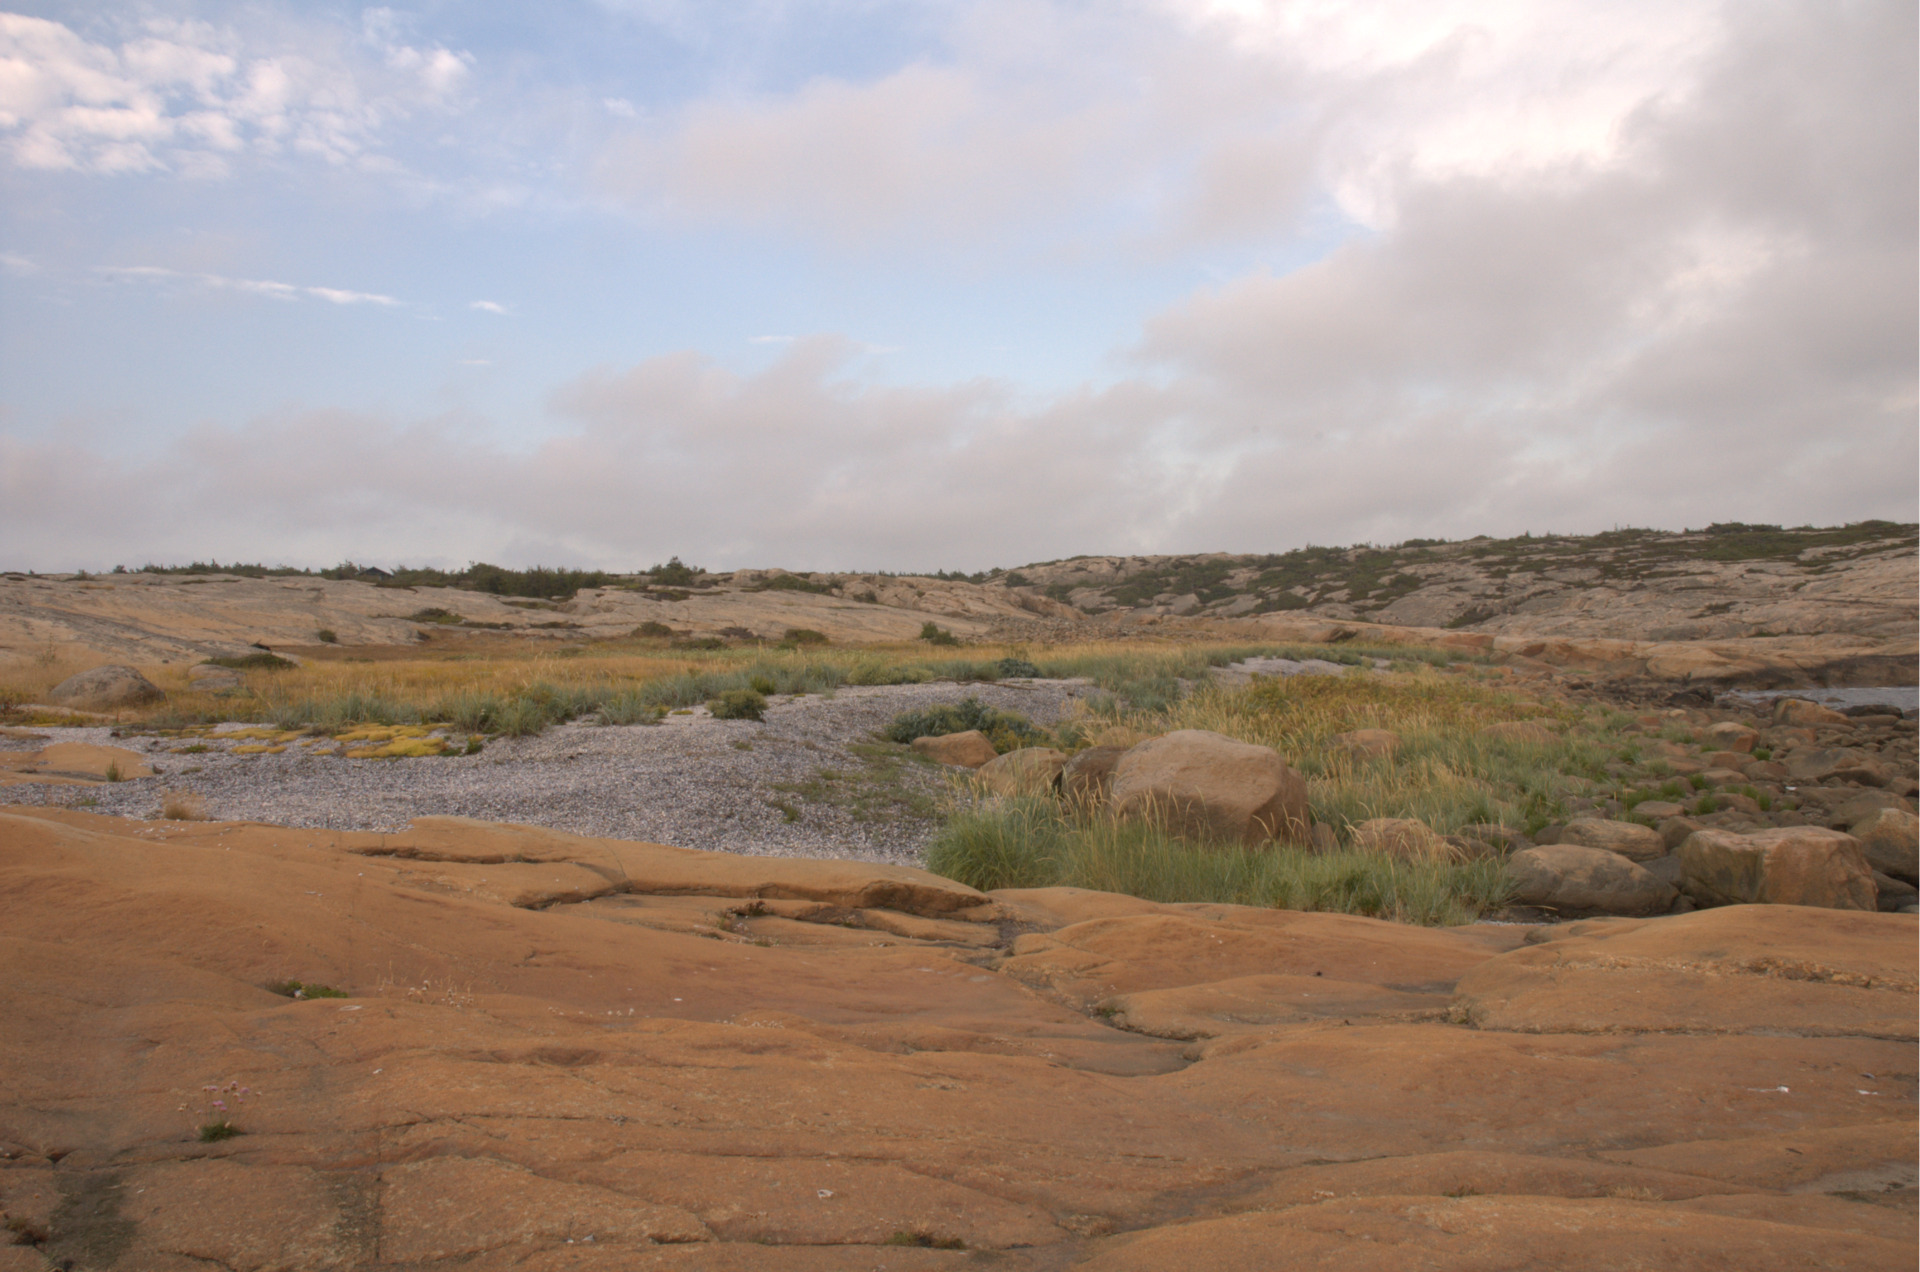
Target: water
1900,697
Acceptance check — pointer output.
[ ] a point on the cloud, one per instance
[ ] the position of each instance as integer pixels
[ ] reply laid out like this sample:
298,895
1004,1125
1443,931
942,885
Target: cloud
253,286
487,306
1679,299
192,98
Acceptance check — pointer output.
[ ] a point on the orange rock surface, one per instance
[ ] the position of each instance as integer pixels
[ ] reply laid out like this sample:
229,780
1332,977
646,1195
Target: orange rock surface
557,1053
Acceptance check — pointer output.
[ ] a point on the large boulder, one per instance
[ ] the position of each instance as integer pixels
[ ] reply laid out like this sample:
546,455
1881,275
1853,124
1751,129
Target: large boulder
106,689
1576,879
1031,770
213,678
1890,841
1803,714
1631,840
1404,838
1088,777
1790,865
1836,764
962,750
1209,786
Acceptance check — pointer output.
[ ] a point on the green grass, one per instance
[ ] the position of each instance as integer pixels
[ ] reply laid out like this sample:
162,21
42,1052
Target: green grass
1034,843
214,1132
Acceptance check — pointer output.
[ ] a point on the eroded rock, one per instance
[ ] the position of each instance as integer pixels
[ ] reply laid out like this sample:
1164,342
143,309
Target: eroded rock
1211,787
106,688
1790,865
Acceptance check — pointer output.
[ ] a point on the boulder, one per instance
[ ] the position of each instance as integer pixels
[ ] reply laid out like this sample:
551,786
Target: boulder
106,689
1525,731
1031,770
1631,840
1801,713
1890,841
1893,894
1726,759
1723,777
1404,838
1659,809
1765,771
1573,878
1367,743
1088,776
962,750
1789,865
1837,764
1209,786
1731,735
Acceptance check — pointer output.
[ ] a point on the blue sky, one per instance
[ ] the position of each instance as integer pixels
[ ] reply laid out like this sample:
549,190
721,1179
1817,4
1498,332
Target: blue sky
896,285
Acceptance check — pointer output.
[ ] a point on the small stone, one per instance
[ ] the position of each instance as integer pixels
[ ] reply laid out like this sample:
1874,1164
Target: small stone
1730,735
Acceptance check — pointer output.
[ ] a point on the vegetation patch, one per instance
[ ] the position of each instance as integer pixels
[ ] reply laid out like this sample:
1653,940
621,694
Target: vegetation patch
1007,730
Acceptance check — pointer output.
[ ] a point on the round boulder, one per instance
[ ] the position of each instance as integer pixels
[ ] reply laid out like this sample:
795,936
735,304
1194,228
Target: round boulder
1208,786
1630,840
106,689
1799,711
1575,879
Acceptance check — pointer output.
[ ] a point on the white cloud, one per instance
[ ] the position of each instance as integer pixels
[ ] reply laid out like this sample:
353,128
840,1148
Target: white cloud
252,286
487,306
186,96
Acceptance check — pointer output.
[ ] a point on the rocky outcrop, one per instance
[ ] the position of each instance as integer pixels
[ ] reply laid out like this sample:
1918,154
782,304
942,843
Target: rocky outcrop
706,1061
1211,787
1631,840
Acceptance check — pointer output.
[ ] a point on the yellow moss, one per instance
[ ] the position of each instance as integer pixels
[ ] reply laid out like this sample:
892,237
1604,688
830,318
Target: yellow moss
385,732
258,749
262,734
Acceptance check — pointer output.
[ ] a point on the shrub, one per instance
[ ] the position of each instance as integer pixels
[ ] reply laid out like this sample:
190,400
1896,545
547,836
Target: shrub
761,683
183,806
739,704
1008,730
792,583
934,634
305,989
700,642
652,630
262,661
434,614
803,636
674,574
327,636
1016,669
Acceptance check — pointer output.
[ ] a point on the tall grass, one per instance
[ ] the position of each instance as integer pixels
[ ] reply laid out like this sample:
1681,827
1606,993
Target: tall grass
1035,842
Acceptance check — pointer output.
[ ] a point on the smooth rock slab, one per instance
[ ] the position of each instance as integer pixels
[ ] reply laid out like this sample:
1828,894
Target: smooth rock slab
1890,841
1789,865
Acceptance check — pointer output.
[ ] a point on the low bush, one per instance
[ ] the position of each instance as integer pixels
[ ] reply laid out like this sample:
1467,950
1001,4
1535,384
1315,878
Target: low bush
327,636
651,630
1016,669
305,989
803,636
934,634
1008,730
260,661
739,704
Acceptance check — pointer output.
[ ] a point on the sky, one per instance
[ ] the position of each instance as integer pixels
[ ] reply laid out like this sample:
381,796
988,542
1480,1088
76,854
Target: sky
916,285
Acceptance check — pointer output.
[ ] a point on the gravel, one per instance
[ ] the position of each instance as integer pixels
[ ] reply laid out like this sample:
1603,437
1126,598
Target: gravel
686,781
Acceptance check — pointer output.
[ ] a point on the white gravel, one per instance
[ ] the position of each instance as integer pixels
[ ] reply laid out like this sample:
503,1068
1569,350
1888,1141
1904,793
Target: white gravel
682,782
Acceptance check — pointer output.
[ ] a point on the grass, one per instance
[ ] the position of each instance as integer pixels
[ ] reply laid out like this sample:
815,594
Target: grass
215,1131
1035,843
